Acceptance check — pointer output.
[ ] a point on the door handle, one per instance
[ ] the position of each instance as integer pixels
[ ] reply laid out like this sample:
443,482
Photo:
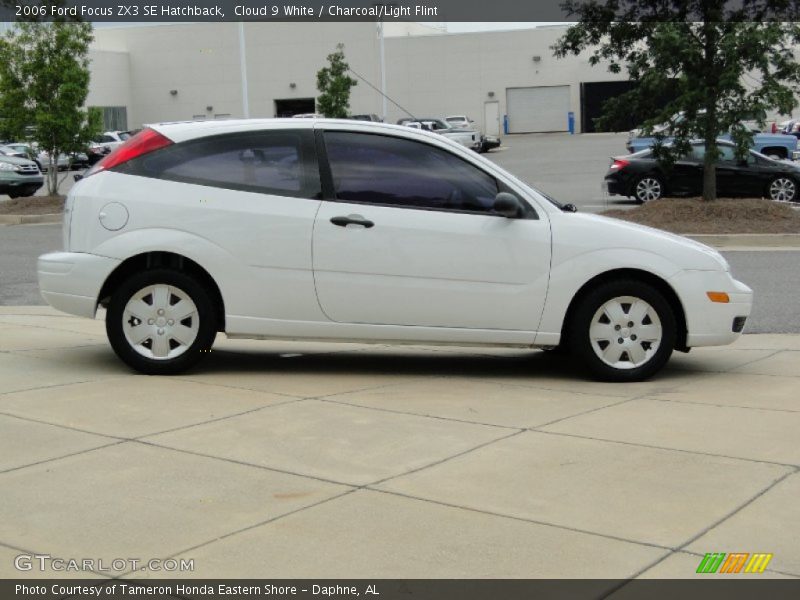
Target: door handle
352,220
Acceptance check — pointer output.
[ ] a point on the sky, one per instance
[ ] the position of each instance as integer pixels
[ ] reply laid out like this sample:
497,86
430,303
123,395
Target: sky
465,27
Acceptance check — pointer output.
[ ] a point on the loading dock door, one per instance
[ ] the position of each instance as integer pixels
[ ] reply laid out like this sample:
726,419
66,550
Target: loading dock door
535,109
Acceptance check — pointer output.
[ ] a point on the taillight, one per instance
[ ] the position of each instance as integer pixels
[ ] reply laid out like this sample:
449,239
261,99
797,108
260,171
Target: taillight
618,164
144,142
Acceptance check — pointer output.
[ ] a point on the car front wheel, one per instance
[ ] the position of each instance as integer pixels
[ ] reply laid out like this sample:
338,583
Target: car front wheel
160,322
783,189
623,331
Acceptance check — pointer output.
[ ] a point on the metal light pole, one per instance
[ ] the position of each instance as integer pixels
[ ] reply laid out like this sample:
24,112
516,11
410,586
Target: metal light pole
383,70
243,67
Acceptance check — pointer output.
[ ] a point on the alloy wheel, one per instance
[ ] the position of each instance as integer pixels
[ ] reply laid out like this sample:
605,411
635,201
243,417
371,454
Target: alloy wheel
783,189
647,189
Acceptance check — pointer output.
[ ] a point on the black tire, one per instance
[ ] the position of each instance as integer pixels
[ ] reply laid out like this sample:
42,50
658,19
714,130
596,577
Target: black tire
775,153
782,188
647,188
14,194
655,356
184,284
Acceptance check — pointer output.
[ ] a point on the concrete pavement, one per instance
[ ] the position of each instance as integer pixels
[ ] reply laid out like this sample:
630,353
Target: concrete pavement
283,459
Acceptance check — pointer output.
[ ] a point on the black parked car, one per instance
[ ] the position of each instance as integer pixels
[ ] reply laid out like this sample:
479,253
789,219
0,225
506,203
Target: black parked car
642,177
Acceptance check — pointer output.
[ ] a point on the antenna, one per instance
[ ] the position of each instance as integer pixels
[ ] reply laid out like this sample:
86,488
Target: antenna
408,112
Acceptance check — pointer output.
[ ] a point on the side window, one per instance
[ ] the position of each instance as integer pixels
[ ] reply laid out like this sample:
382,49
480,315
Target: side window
698,153
378,169
282,163
727,154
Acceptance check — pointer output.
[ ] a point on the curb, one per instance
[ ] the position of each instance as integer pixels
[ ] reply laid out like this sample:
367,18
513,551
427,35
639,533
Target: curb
30,219
723,241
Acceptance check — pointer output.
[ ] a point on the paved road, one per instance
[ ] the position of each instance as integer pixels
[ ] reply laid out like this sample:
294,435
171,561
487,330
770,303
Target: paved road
772,274
569,168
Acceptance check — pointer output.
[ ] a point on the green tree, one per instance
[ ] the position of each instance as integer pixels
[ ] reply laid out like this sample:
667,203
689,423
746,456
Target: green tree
334,85
721,64
44,81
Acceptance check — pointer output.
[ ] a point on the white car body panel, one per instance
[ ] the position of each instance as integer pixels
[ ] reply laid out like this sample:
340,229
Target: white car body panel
431,268
424,276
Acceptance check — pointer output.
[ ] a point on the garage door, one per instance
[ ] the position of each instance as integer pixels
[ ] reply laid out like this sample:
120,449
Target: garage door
535,109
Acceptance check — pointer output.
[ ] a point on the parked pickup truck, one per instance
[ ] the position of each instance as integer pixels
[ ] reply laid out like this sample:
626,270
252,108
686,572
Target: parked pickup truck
775,146
466,137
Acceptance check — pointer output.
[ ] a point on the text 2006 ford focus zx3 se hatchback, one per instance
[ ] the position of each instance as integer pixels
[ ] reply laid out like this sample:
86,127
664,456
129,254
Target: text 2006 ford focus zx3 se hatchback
350,231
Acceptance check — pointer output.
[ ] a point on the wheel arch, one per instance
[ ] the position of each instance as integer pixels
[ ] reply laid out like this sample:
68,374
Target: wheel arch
161,259
776,150
639,275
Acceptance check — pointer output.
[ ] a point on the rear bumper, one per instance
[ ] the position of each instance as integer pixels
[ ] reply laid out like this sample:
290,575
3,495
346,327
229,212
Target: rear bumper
615,187
71,281
712,323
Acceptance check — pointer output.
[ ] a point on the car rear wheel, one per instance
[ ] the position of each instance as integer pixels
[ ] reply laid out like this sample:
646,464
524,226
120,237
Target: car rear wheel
623,331
782,189
160,322
648,188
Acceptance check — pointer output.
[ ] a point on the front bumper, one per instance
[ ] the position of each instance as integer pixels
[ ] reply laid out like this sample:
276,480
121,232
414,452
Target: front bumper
71,281
712,323
11,180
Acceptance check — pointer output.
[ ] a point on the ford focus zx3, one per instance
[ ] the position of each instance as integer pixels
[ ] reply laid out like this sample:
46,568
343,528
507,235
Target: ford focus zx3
352,231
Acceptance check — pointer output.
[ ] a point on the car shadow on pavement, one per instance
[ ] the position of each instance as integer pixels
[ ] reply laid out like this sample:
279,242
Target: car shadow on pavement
509,364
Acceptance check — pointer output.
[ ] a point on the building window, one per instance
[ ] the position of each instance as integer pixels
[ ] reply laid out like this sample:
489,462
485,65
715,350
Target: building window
115,118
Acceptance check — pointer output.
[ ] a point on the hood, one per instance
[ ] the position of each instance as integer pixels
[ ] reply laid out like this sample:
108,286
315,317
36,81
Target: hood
683,252
17,160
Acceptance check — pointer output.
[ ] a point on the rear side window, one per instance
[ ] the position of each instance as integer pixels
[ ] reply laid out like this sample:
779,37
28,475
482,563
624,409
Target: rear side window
281,163
378,169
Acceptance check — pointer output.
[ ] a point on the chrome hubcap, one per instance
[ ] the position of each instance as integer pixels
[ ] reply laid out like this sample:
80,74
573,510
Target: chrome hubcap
625,332
160,322
782,190
648,189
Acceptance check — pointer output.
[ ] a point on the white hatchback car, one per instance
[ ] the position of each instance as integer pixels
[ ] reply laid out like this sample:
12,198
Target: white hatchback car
357,231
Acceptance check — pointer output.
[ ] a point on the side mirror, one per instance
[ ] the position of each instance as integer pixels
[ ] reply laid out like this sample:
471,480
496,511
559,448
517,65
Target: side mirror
507,205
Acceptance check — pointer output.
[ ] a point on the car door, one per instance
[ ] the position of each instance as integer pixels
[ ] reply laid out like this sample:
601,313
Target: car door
409,238
686,174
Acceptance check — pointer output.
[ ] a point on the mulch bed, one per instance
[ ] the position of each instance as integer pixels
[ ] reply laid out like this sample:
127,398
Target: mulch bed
32,205
724,215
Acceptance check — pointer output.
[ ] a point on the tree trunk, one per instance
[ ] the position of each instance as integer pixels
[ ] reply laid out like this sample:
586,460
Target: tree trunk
710,175
52,176
710,130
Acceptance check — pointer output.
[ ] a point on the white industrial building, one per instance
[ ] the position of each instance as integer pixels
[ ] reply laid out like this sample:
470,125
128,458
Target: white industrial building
155,73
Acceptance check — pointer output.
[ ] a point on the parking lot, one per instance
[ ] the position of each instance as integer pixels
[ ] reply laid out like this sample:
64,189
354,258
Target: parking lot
290,459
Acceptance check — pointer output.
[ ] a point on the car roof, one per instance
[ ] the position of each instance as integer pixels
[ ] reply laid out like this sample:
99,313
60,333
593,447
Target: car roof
179,131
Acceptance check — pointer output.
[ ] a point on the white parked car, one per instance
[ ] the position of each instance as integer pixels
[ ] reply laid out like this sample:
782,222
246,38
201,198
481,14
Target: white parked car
349,230
462,121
